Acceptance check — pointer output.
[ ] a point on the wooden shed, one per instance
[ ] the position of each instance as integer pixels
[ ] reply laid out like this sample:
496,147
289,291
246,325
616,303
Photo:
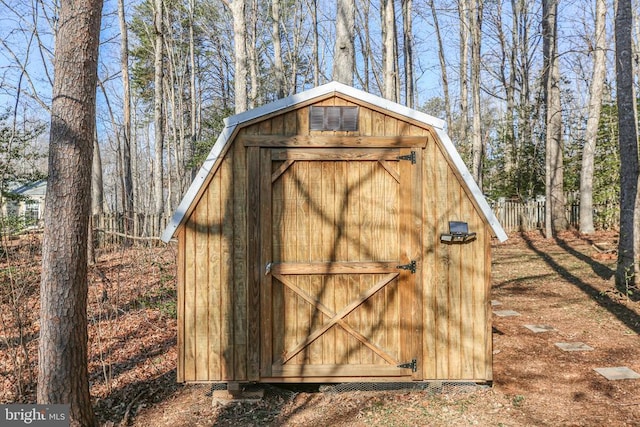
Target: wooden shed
316,245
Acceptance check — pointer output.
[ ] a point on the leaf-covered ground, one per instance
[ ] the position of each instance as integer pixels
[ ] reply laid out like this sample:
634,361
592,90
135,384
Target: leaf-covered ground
563,283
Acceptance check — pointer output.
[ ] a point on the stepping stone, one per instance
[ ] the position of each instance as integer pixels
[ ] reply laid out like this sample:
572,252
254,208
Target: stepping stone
539,328
617,373
506,313
573,346
495,303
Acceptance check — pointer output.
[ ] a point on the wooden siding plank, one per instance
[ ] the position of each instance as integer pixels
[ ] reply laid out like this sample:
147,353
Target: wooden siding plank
416,226
301,226
277,125
275,309
227,318
442,261
180,305
264,127
468,289
488,337
430,264
212,263
455,297
417,208
388,242
479,295
377,123
291,123
329,339
258,255
335,336
406,279
241,274
289,240
302,121
364,125
314,187
390,126
238,290
200,219
189,306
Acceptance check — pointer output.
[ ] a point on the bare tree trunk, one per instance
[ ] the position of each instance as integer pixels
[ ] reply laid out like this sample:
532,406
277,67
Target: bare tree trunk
556,219
443,68
510,89
316,43
477,146
629,243
127,179
409,91
364,34
463,12
344,52
595,105
97,199
389,49
277,48
158,166
193,89
62,363
252,55
240,43
526,107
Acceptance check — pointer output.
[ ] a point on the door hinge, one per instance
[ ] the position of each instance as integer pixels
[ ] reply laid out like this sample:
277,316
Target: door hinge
411,157
411,267
413,365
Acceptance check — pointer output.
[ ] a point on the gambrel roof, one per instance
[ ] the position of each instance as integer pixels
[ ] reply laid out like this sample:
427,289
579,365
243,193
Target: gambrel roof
233,122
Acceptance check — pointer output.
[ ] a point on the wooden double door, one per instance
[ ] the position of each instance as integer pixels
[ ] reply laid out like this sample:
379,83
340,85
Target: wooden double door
340,238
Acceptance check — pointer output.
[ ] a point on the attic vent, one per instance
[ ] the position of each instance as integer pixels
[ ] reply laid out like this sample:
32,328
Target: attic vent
333,118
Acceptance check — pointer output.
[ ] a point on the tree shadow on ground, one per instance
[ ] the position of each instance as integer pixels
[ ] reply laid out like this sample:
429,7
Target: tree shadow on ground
627,316
122,403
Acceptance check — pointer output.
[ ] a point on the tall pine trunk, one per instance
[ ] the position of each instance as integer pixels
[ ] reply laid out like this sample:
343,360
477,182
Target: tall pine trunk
127,176
463,12
629,242
240,51
477,146
389,49
158,101
62,362
344,51
595,105
444,75
555,217
407,22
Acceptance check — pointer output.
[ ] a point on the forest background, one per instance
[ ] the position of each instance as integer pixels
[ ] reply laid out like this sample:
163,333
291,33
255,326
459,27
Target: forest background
170,71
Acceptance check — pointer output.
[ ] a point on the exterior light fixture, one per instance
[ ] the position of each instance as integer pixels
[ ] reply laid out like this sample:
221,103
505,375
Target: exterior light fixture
458,233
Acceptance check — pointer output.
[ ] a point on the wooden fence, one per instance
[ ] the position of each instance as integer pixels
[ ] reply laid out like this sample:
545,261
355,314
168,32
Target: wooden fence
115,228
527,216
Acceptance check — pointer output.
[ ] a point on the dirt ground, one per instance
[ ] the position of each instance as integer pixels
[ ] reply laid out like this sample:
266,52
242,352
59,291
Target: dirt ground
563,283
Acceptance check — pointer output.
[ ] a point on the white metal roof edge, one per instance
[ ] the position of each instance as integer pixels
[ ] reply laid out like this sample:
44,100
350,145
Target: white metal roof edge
233,121
472,185
333,87
195,186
